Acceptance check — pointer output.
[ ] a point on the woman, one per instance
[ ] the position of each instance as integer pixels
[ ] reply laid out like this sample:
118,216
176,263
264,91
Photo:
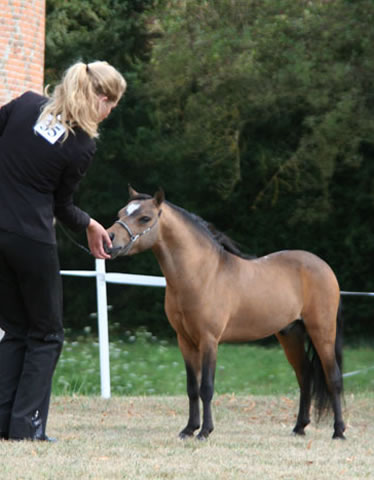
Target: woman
46,147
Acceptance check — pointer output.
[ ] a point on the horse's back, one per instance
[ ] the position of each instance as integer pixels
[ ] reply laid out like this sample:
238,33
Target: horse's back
311,267
302,270
297,262
277,289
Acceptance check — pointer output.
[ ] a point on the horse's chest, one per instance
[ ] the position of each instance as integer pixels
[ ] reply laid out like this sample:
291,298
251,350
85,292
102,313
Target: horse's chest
193,318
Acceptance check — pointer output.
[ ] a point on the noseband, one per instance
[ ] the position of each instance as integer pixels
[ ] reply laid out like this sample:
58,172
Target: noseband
134,238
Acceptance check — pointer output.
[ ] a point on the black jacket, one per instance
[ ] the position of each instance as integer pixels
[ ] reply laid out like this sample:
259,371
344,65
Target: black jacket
38,179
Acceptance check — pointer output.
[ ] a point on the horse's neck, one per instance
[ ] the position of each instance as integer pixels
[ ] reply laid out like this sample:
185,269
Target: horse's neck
181,251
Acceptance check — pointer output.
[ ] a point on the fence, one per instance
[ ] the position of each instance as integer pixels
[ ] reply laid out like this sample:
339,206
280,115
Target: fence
102,278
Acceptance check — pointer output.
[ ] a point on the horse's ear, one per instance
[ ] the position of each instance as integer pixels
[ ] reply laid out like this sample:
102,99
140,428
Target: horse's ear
132,192
159,197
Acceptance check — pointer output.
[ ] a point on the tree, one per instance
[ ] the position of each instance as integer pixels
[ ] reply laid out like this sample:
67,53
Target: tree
255,115
265,109
115,31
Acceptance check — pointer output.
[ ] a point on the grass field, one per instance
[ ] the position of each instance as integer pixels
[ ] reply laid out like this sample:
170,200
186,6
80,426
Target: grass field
134,435
135,438
142,365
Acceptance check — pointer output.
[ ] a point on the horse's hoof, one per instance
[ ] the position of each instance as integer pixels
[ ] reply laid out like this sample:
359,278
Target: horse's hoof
185,434
339,429
299,428
298,432
204,434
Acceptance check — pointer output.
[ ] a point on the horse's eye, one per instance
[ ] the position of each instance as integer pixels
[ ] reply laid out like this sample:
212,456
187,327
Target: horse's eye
144,219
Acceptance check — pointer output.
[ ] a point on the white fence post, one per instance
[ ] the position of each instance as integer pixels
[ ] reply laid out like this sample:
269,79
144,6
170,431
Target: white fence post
102,318
102,278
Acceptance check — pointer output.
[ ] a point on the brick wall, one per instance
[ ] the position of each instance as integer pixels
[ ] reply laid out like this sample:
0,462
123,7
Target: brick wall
22,40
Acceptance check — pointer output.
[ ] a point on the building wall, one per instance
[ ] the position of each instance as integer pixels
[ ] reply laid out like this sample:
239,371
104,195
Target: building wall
22,41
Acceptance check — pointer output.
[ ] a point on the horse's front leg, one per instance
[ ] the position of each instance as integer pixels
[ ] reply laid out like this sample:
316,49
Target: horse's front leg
207,391
194,409
192,363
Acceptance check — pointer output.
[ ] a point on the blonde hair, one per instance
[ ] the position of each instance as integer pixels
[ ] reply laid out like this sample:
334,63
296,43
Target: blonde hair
74,101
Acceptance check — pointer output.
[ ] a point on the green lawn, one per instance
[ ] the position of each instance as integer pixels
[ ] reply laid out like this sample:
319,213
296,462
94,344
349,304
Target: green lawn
142,365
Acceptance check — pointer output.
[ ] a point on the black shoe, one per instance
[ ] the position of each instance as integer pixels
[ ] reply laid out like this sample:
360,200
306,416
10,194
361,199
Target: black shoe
3,436
45,438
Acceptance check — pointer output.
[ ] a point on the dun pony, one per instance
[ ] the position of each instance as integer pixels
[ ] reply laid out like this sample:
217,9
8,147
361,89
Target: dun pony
214,294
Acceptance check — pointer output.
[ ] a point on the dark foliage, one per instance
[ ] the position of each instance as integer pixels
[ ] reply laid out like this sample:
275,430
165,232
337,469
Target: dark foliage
257,116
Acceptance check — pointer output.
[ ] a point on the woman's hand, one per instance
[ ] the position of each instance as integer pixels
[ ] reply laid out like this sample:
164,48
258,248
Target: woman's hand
97,237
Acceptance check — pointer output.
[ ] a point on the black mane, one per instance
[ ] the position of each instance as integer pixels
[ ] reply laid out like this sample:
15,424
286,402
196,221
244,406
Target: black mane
220,239
209,230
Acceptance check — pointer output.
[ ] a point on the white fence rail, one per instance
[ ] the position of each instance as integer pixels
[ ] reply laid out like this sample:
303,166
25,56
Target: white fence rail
102,278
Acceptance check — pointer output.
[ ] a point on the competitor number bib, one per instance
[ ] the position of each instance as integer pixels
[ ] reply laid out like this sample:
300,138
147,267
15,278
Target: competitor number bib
51,134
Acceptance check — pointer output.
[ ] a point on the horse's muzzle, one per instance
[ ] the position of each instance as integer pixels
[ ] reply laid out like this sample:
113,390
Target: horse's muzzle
112,251
116,251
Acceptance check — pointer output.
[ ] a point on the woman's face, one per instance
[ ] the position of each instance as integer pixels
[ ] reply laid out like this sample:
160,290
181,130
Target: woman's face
105,107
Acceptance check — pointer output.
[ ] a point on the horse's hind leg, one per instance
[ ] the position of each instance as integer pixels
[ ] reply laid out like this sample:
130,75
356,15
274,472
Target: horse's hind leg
339,426
292,340
326,337
334,384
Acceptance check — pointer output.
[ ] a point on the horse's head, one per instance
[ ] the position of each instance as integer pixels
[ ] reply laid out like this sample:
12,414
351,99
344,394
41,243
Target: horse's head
137,226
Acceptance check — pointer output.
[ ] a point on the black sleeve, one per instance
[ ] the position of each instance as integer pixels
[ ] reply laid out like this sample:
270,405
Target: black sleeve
65,210
4,115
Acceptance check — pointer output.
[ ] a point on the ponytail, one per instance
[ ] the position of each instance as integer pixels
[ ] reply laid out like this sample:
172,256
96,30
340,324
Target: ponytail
74,101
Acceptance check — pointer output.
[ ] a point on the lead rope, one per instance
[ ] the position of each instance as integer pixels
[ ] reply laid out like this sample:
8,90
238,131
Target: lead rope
67,234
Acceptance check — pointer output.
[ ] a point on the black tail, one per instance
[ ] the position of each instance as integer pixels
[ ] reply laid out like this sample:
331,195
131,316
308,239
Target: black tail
314,377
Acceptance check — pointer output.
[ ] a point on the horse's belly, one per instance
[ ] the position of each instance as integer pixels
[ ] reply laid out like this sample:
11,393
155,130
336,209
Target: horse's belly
255,324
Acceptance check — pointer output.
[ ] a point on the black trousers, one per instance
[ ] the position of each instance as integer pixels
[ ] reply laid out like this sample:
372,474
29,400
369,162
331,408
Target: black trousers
31,316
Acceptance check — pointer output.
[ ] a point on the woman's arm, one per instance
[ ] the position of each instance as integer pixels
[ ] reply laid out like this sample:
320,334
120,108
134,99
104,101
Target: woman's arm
75,218
4,114
64,208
